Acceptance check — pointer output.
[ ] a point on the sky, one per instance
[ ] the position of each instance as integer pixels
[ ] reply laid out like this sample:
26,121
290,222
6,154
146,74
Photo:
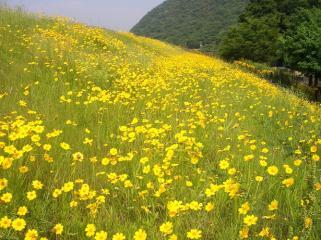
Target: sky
118,15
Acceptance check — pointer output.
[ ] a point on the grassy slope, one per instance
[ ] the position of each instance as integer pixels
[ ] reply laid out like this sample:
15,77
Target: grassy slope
182,112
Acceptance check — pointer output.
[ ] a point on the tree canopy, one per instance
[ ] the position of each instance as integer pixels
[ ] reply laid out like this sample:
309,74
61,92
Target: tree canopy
302,42
263,23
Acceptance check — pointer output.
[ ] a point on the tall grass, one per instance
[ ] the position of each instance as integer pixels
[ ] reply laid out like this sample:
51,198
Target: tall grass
128,133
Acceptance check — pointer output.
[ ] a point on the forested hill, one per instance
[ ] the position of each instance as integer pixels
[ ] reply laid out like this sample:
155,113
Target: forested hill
189,22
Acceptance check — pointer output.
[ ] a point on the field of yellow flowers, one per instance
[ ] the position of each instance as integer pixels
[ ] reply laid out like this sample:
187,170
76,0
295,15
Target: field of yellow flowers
107,135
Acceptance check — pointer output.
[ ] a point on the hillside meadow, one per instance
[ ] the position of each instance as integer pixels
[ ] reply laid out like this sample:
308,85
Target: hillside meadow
107,135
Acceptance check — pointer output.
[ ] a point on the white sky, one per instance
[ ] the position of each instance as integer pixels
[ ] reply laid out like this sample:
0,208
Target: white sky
112,14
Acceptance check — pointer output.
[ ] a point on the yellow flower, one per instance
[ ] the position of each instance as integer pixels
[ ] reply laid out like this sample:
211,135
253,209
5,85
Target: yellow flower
244,208
273,170
172,237
317,186
105,161
265,150
56,193
231,171
140,234
102,235
128,184
3,183
297,162
31,234
250,220
263,163
7,163
212,190
144,160
67,187
288,182
194,160
58,229
265,232
90,230
188,183
18,224
259,178
288,169
31,195
23,169
65,146
113,152
37,184
314,149
166,228
194,205
248,157
35,138
88,141
209,207
6,197
146,169
73,204
244,233
194,234
22,211
46,147
224,164
315,157
118,236
308,222
78,156
274,205
5,222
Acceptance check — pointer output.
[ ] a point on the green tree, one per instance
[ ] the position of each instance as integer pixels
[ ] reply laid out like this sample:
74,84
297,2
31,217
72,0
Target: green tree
255,39
301,45
259,29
